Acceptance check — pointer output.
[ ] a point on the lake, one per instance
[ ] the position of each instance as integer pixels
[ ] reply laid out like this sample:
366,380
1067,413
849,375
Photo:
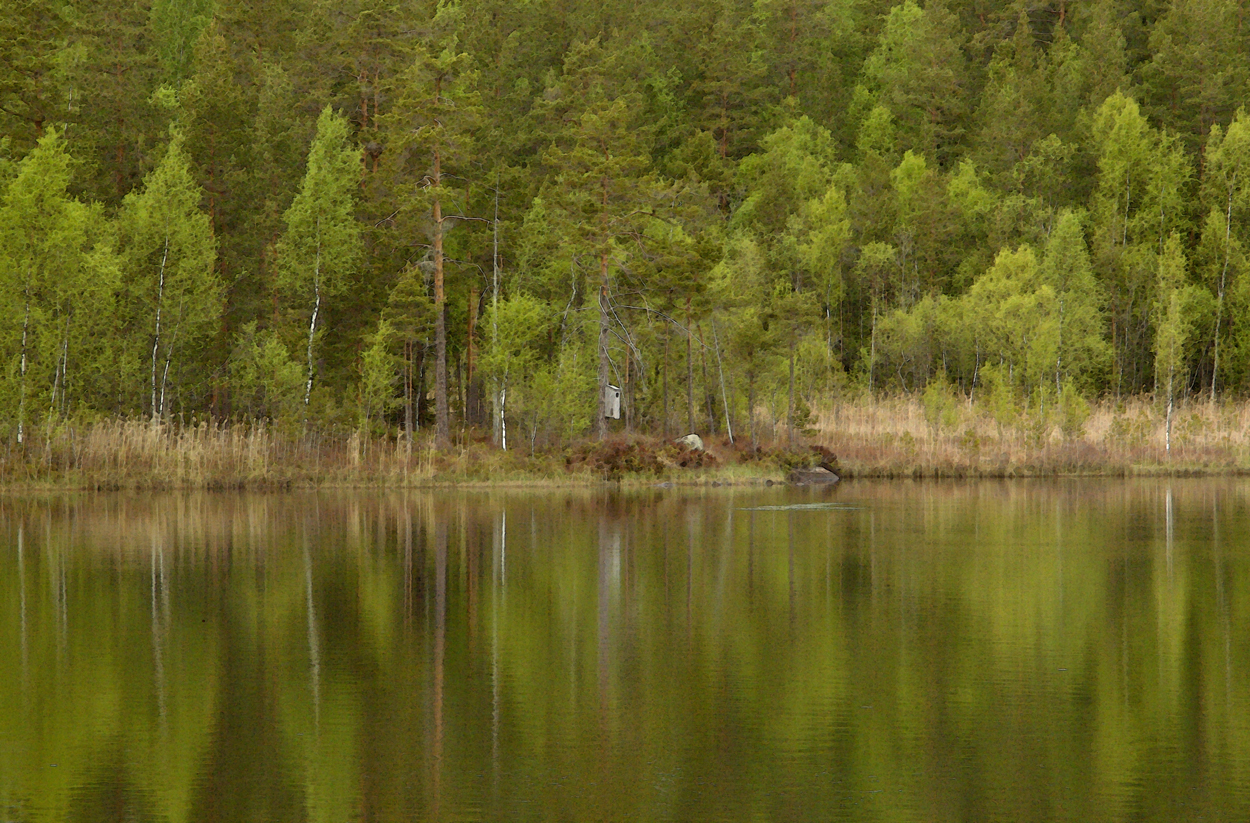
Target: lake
1019,650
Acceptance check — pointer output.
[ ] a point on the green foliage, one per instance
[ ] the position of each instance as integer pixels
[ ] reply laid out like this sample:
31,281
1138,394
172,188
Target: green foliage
997,396
379,368
264,381
941,406
58,274
1073,412
829,189
320,250
176,25
172,297
1176,308
916,71
518,329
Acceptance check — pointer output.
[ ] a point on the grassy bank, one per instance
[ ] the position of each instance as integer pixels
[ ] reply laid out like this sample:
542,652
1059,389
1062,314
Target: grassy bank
899,437
902,437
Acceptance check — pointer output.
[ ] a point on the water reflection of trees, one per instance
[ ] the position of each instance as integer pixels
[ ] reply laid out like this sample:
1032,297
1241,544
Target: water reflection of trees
1030,649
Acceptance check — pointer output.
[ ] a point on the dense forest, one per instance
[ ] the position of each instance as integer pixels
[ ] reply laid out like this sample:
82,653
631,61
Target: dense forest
400,215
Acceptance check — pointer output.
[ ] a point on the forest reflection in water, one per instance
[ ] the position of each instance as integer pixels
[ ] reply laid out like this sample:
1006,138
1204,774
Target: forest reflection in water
991,650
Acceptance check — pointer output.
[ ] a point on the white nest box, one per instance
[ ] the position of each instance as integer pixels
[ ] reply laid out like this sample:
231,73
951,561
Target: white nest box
612,402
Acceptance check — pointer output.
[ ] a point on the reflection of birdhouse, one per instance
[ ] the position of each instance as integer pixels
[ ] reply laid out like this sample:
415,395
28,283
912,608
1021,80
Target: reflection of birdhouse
612,402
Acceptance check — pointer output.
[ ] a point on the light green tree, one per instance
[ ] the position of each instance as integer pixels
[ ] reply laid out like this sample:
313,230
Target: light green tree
176,25
1017,320
321,247
378,373
57,277
1226,194
1081,353
513,354
1172,313
740,292
264,380
798,218
1140,198
172,292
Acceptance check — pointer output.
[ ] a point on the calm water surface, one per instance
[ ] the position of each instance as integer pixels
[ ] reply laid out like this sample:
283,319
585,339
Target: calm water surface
982,651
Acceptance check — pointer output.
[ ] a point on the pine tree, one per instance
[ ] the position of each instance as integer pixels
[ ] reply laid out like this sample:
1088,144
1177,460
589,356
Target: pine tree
729,92
32,96
919,73
1010,119
434,123
216,113
601,188
112,78
1200,66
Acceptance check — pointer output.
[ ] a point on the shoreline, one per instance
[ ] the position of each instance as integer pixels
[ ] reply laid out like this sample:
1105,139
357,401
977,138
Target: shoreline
633,482
883,440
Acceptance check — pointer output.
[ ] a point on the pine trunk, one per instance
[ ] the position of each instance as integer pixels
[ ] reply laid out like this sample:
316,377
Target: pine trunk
442,430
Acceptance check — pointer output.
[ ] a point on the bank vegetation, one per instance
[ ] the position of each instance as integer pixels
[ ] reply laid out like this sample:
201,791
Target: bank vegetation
402,238
896,437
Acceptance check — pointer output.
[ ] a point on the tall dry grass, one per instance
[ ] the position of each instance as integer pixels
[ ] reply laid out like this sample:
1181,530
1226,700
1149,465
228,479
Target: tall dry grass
895,437
137,455
134,454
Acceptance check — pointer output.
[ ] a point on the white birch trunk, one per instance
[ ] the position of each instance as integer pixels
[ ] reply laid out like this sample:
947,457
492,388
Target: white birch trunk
21,401
312,325
156,338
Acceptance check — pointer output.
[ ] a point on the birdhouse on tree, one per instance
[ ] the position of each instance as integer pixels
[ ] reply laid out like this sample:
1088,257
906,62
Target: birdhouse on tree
612,402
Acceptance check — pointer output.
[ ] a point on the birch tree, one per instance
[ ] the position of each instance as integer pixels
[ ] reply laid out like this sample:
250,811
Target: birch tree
173,294
1140,198
1173,321
1226,194
56,274
321,246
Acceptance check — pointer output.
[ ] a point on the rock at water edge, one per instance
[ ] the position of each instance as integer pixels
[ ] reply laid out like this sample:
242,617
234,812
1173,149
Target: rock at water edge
811,477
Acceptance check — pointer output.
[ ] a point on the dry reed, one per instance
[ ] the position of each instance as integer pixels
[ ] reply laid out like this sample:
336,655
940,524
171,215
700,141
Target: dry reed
132,454
893,437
